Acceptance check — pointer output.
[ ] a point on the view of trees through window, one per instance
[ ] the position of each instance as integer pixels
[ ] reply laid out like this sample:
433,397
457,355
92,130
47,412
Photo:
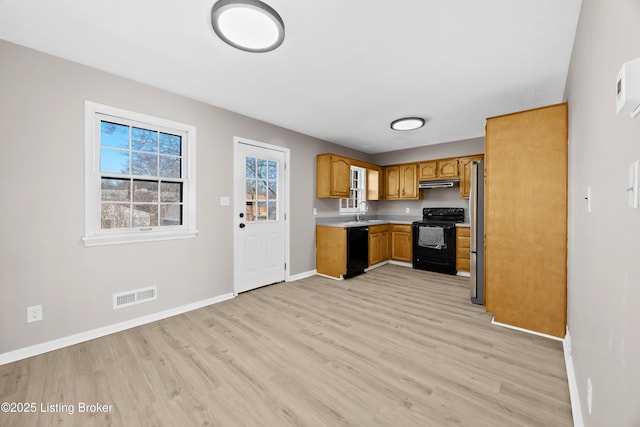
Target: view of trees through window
141,177
261,189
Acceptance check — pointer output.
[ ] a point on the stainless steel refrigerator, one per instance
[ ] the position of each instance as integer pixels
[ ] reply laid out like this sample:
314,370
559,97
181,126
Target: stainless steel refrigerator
476,214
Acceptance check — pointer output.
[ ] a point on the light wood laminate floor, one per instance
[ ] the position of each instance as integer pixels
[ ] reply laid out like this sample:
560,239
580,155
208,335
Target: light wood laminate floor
393,347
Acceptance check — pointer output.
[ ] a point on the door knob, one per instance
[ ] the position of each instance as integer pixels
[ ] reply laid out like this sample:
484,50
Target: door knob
242,225
241,215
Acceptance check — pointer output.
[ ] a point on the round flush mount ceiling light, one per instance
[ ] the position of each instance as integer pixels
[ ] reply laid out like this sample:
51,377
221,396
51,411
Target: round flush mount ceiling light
407,123
248,25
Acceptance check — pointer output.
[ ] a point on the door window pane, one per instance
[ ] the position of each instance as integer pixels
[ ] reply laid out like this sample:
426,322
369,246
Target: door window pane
262,169
273,211
262,211
250,212
251,167
261,189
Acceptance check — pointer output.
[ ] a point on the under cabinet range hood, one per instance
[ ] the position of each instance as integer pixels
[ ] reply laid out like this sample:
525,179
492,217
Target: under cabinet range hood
439,183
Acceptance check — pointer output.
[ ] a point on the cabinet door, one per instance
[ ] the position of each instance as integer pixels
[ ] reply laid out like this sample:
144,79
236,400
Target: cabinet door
384,245
333,176
448,168
340,176
408,182
401,243
392,182
428,170
331,250
374,247
465,175
373,184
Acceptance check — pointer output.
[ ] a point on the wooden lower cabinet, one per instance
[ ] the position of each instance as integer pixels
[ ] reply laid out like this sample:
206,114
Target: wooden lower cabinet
331,250
378,243
401,242
386,241
463,243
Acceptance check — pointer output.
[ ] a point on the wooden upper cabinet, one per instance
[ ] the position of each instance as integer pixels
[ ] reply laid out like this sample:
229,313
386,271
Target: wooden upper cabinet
333,176
428,170
438,169
409,181
401,182
392,182
448,168
465,174
373,184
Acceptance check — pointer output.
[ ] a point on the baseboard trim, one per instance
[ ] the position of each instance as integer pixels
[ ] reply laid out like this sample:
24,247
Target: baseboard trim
331,277
576,408
300,276
37,349
401,263
529,331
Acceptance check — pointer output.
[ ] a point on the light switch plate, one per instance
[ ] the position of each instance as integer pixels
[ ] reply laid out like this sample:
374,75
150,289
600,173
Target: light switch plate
633,185
225,201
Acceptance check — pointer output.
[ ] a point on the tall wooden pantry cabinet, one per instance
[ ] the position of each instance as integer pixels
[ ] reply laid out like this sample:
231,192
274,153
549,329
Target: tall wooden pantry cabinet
526,219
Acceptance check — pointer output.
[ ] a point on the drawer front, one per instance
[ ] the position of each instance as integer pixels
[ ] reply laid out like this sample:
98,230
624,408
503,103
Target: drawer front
463,264
463,232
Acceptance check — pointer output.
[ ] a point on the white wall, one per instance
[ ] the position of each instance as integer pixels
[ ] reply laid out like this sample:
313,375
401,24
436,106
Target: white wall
42,257
604,251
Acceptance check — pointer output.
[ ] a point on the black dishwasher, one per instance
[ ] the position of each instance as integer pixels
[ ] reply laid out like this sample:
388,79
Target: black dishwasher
357,250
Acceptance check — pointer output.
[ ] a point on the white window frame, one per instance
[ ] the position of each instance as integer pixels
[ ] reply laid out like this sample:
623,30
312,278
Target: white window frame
360,190
94,235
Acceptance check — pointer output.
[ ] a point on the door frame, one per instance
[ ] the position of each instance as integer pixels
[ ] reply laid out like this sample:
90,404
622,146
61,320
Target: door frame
287,198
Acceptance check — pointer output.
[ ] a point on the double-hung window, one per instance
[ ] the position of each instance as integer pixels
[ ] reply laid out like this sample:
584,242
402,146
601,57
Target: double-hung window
140,182
357,192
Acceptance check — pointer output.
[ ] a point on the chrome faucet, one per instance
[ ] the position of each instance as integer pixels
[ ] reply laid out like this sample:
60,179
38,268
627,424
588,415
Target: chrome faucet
360,213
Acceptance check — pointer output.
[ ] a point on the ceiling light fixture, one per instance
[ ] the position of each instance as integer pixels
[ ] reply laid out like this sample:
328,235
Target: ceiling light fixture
407,123
248,25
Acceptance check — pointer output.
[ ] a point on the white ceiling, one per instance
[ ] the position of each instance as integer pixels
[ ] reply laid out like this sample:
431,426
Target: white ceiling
346,69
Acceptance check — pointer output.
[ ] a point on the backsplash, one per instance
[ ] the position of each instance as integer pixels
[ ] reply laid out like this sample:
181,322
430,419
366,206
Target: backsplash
432,198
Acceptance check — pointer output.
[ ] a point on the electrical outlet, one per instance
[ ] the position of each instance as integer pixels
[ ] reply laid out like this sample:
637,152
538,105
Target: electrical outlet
407,210
34,313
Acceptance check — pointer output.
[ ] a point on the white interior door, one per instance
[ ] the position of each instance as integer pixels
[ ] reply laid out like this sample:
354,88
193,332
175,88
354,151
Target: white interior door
260,208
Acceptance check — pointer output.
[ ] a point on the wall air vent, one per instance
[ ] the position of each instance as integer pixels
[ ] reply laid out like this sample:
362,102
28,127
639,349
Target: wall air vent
137,296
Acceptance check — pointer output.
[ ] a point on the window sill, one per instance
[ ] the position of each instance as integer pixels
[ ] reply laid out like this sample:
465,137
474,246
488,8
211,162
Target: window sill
121,239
